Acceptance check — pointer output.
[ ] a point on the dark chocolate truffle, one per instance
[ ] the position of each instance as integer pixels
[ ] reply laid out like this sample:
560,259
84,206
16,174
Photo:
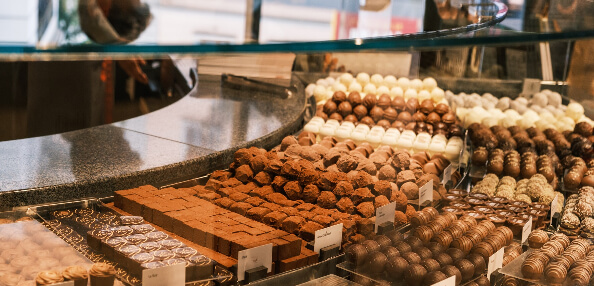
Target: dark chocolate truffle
376,262
384,101
404,117
330,107
396,267
441,109
367,120
356,254
451,270
466,268
426,106
336,116
390,114
434,277
415,274
351,118
412,105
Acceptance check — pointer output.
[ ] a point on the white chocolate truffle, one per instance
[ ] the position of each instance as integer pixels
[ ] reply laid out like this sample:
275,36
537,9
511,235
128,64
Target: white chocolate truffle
312,127
408,133
319,93
487,104
318,120
457,102
396,91
363,78
327,130
404,83
452,152
333,122
540,99
346,79
522,100
358,137
513,114
554,98
337,86
490,121
362,128
567,120
309,90
374,139
329,94
416,84
410,93
348,124
369,88
423,137
377,79
378,129
392,131
429,83
518,106
322,82
355,86
342,133
470,102
389,140
419,146
330,80
436,148
503,103
404,143
574,111
437,94
383,90
507,122
536,108
390,81
423,94
490,97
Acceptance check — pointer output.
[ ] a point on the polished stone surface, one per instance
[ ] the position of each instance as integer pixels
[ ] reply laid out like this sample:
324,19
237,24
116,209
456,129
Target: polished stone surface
189,138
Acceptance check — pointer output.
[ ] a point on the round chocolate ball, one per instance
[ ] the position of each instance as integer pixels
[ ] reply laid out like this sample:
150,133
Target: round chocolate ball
355,98
583,129
451,270
383,241
339,96
396,266
369,101
367,120
356,254
414,274
430,264
434,277
384,123
394,236
405,117
440,126
345,108
448,118
330,107
419,117
398,103
376,262
390,114
410,126
360,111
376,113
412,105
455,253
424,252
426,106
403,247
398,125
384,101
412,257
435,248
351,118
443,259
414,242
478,261
320,113
455,130
441,109
336,116
433,118
421,127
390,252
466,268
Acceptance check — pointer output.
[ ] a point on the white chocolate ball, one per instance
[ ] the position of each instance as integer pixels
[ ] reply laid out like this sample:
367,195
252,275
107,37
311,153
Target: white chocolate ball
369,88
410,93
390,81
574,111
423,94
416,84
490,121
437,94
363,78
338,86
554,98
522,100
396,91
540,99
330,80
503,103
404,83
322,82
329,94
507,122
319,93
309,90
355,86
377,79
383,90
346,79
429,83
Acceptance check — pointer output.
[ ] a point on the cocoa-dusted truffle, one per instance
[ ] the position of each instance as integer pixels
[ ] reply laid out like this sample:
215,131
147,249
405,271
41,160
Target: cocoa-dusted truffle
398,103
360,111
355,98
412,105
411,190
367,120
390,114
426,106
309,229
366,209
327,200
369,101
330,107
345,108
384,101
356,254
339,96
415,274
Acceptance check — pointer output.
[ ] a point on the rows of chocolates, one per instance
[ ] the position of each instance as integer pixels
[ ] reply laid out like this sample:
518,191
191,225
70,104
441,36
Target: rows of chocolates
577,218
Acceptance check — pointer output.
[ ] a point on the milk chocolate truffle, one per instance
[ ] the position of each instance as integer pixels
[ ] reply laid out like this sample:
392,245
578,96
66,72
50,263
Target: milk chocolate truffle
351,118
583,129
330,107
431,265
412,105
443,259
479,263
455,253
339,96
376,262
398,103
433,118
434,277
426,106
451,270
415,274
390,114
345,108
320,113
356,254
367,120
448,118
376,113
384,101
402,247
398,125
396,267
360,111
466,268
537,238
418,117
404,117
336,116
412,257
355,98
479,156
369,101
394,236
441,109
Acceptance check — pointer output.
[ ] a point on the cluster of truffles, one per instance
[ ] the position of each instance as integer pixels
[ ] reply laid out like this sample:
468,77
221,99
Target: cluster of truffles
427,88
498,210
577,217
378,136
535,189
29,248
558,260
411,114
542,110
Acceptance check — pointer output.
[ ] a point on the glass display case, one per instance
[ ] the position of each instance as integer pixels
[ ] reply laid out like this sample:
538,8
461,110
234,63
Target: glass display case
269,142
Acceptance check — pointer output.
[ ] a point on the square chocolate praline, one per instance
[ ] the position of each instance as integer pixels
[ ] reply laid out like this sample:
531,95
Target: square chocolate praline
204,266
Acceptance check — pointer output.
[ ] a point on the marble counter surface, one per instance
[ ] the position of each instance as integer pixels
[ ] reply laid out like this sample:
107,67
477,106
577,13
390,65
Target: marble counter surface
189,138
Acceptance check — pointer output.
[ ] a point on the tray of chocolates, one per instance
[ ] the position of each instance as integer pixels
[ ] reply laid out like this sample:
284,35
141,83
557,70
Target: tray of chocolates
127,243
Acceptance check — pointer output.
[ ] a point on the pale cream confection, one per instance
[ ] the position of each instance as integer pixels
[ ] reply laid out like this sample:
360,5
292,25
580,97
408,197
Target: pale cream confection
404,144
78,274
383,90
363,78
355,86
437,94
452,152
389,140
574,111
343,133
378,129
429,83
346,78
370,88
404,83
102,274
362,128
317,120
322,82
419,146
410,93
358,137
374,139
393,131
338,86
312,127
21,262
508,181
396,91
327,130
390,81
423,94
377,79
330,80
48,277
416,84
319,93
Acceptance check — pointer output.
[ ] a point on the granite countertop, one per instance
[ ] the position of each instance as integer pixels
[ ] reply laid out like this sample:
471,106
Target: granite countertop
187,139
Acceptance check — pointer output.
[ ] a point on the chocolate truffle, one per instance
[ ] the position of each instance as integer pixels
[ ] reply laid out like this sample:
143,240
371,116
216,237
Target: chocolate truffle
336,116
330,107
371,246
433,118
376,113
376,262
396,267
360,111
355,98
367,120
351,118
345,108
384,123
466,268
356,254
412,257
419,117
478,261
426,106
434,277
369,101
412,105
339,96
448,118
415,274
451,270
431,265
398,103
404,117
390,114
441,109
384,101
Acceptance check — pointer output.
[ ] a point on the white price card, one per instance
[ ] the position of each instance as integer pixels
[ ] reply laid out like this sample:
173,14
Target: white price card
495,262
531,86
328,236
554,206
65,283
450,281
447,174
174,275
526,230
384,214
252,258
426,193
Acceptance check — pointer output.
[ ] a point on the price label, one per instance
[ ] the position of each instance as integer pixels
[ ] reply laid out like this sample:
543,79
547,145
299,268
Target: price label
252,258
174,275
327,237
554,206
531,86
65,283
385,214
450,281
426,193
495,262
526,230
447,174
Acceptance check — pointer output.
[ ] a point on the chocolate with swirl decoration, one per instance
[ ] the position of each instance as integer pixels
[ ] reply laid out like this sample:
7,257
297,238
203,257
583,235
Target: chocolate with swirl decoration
130,220
142,228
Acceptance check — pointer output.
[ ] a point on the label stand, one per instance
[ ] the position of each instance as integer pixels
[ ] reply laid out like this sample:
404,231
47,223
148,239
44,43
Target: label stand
254,274
329,252
385,227
555,220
